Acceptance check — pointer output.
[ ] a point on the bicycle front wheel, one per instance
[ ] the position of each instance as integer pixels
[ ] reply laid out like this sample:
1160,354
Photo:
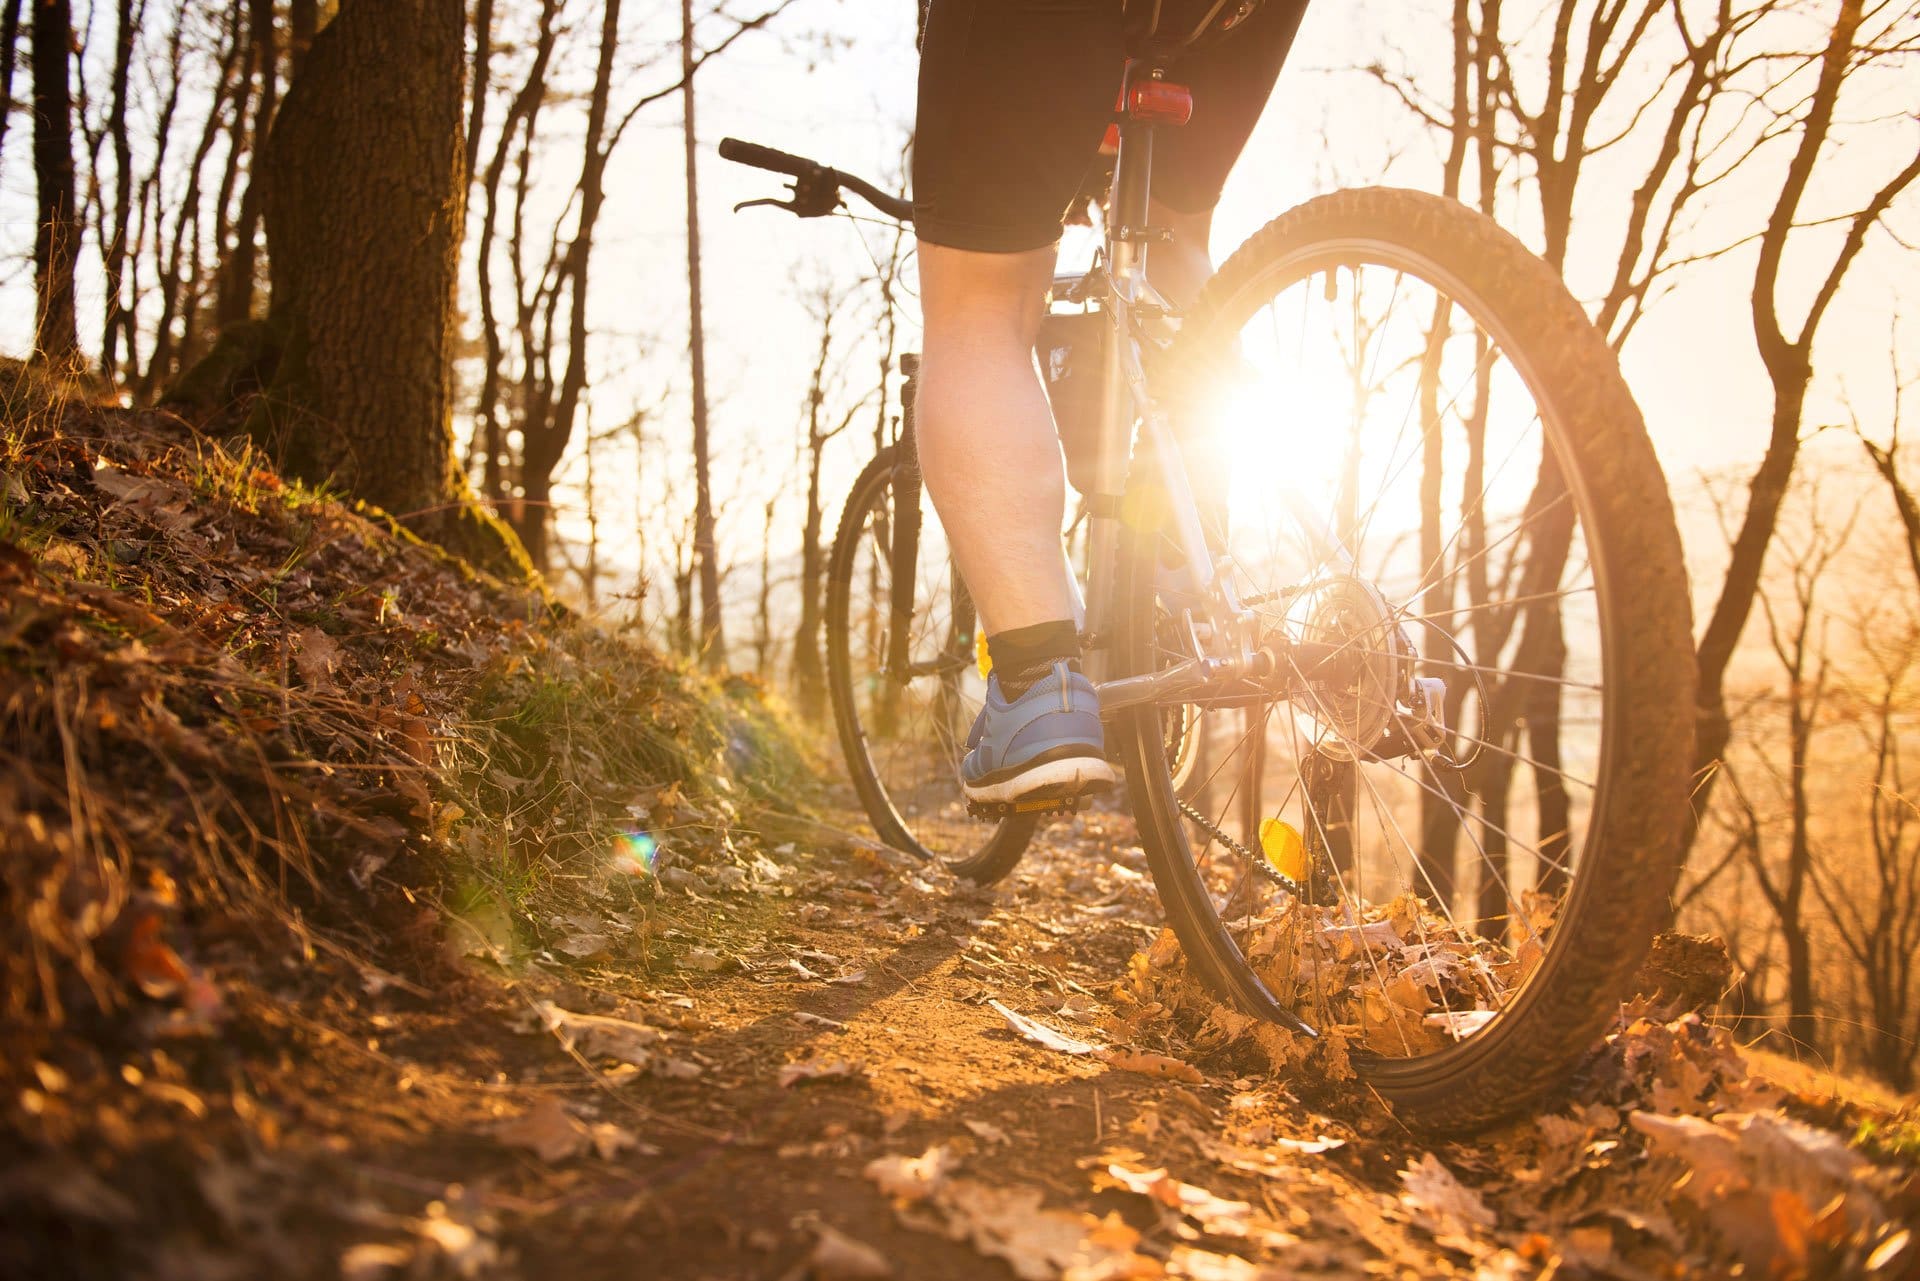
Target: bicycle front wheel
903,676
1448,840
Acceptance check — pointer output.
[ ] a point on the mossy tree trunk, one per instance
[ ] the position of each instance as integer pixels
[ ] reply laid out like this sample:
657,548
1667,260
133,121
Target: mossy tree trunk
364,199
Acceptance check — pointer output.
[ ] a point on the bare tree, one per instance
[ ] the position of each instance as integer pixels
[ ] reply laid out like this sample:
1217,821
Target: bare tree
9,58
1876,907
234,300
713,641
1797,636
1786,349
56,241
824,305
117,324
177,243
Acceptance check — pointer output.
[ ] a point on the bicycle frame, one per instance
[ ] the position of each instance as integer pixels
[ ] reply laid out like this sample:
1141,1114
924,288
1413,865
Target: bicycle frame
1119,285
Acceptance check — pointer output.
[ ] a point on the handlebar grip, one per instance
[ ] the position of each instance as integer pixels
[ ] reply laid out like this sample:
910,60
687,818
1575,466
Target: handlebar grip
752,153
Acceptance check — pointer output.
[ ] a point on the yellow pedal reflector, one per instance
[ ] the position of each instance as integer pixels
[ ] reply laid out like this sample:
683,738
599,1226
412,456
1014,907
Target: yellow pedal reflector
982,659
1282,845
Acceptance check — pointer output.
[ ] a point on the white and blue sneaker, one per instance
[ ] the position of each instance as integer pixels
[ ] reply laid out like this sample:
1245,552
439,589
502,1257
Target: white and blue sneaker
1042,749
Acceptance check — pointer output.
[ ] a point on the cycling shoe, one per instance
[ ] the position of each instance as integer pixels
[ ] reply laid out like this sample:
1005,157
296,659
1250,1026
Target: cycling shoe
1045,745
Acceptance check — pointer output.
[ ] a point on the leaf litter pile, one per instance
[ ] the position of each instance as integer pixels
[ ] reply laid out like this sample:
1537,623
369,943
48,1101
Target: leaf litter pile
366,919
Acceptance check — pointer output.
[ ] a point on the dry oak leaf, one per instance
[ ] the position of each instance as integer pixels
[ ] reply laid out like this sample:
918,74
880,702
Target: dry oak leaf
315,656
1430,1186
1167,1069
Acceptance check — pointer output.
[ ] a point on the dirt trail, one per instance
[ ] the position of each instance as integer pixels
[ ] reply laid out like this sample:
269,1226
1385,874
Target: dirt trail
801,1075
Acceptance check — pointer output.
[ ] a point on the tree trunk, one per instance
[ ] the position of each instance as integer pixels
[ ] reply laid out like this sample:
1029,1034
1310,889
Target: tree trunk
303,23
809,671
56,240
117,323
365,243
713,642
9,39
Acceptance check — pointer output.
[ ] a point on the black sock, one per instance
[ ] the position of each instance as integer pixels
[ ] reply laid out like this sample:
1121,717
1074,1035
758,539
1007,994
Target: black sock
1024,656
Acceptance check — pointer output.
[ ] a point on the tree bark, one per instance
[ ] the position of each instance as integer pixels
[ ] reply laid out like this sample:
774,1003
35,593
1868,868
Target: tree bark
713,642
364,203
303,23
56,240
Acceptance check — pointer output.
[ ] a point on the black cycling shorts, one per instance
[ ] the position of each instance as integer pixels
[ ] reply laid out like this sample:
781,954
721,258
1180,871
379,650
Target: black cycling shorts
1015,96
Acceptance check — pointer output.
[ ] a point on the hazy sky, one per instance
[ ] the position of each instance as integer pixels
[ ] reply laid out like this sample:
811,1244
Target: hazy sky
1691,363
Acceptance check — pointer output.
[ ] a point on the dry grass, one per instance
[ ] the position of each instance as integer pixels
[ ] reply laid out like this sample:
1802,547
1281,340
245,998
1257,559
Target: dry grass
238,716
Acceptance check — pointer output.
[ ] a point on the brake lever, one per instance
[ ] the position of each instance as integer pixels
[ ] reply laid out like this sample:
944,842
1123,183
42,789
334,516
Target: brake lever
814,196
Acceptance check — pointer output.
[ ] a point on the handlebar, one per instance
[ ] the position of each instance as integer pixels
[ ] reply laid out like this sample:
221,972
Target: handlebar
752,153
816,187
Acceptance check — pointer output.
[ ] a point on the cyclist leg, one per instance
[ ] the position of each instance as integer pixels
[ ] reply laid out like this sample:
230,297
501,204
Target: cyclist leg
1013,99
987,445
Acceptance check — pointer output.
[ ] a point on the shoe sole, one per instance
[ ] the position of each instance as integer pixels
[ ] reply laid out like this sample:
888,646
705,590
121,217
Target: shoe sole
1060,780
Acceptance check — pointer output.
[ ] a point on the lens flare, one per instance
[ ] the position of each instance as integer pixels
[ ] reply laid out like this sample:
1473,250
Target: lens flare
635,853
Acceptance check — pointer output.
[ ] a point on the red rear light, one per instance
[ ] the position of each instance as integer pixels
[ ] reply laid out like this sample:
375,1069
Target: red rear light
1159,102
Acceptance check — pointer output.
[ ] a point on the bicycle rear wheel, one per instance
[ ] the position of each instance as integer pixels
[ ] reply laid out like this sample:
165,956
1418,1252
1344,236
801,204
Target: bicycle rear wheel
903,677
1451,843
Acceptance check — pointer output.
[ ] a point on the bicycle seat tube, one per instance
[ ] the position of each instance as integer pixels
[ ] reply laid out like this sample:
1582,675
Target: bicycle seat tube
1131,301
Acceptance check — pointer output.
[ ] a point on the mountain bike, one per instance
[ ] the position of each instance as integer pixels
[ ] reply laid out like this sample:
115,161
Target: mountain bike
1428,617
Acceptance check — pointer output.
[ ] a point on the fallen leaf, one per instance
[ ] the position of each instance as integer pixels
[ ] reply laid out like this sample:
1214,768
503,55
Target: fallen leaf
704,959
838,1257
610,1140
582,946
1190,1264
987,1131
1041,1034
315,656
597,1035
373,1261
1079,1008
911,1178
549,1131
1167,1069
1430,1186
817,1069
151,962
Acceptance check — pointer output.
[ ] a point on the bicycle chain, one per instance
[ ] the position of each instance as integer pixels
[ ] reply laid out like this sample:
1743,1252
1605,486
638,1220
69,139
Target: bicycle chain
1258,862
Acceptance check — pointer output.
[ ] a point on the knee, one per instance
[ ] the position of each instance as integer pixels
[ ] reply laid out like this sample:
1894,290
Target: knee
982,302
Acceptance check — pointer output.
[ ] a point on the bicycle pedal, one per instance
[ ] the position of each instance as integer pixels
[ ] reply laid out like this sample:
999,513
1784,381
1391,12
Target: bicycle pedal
994,812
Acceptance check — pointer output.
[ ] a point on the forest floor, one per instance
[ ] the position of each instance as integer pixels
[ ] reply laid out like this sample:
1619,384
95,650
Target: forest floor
362,919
